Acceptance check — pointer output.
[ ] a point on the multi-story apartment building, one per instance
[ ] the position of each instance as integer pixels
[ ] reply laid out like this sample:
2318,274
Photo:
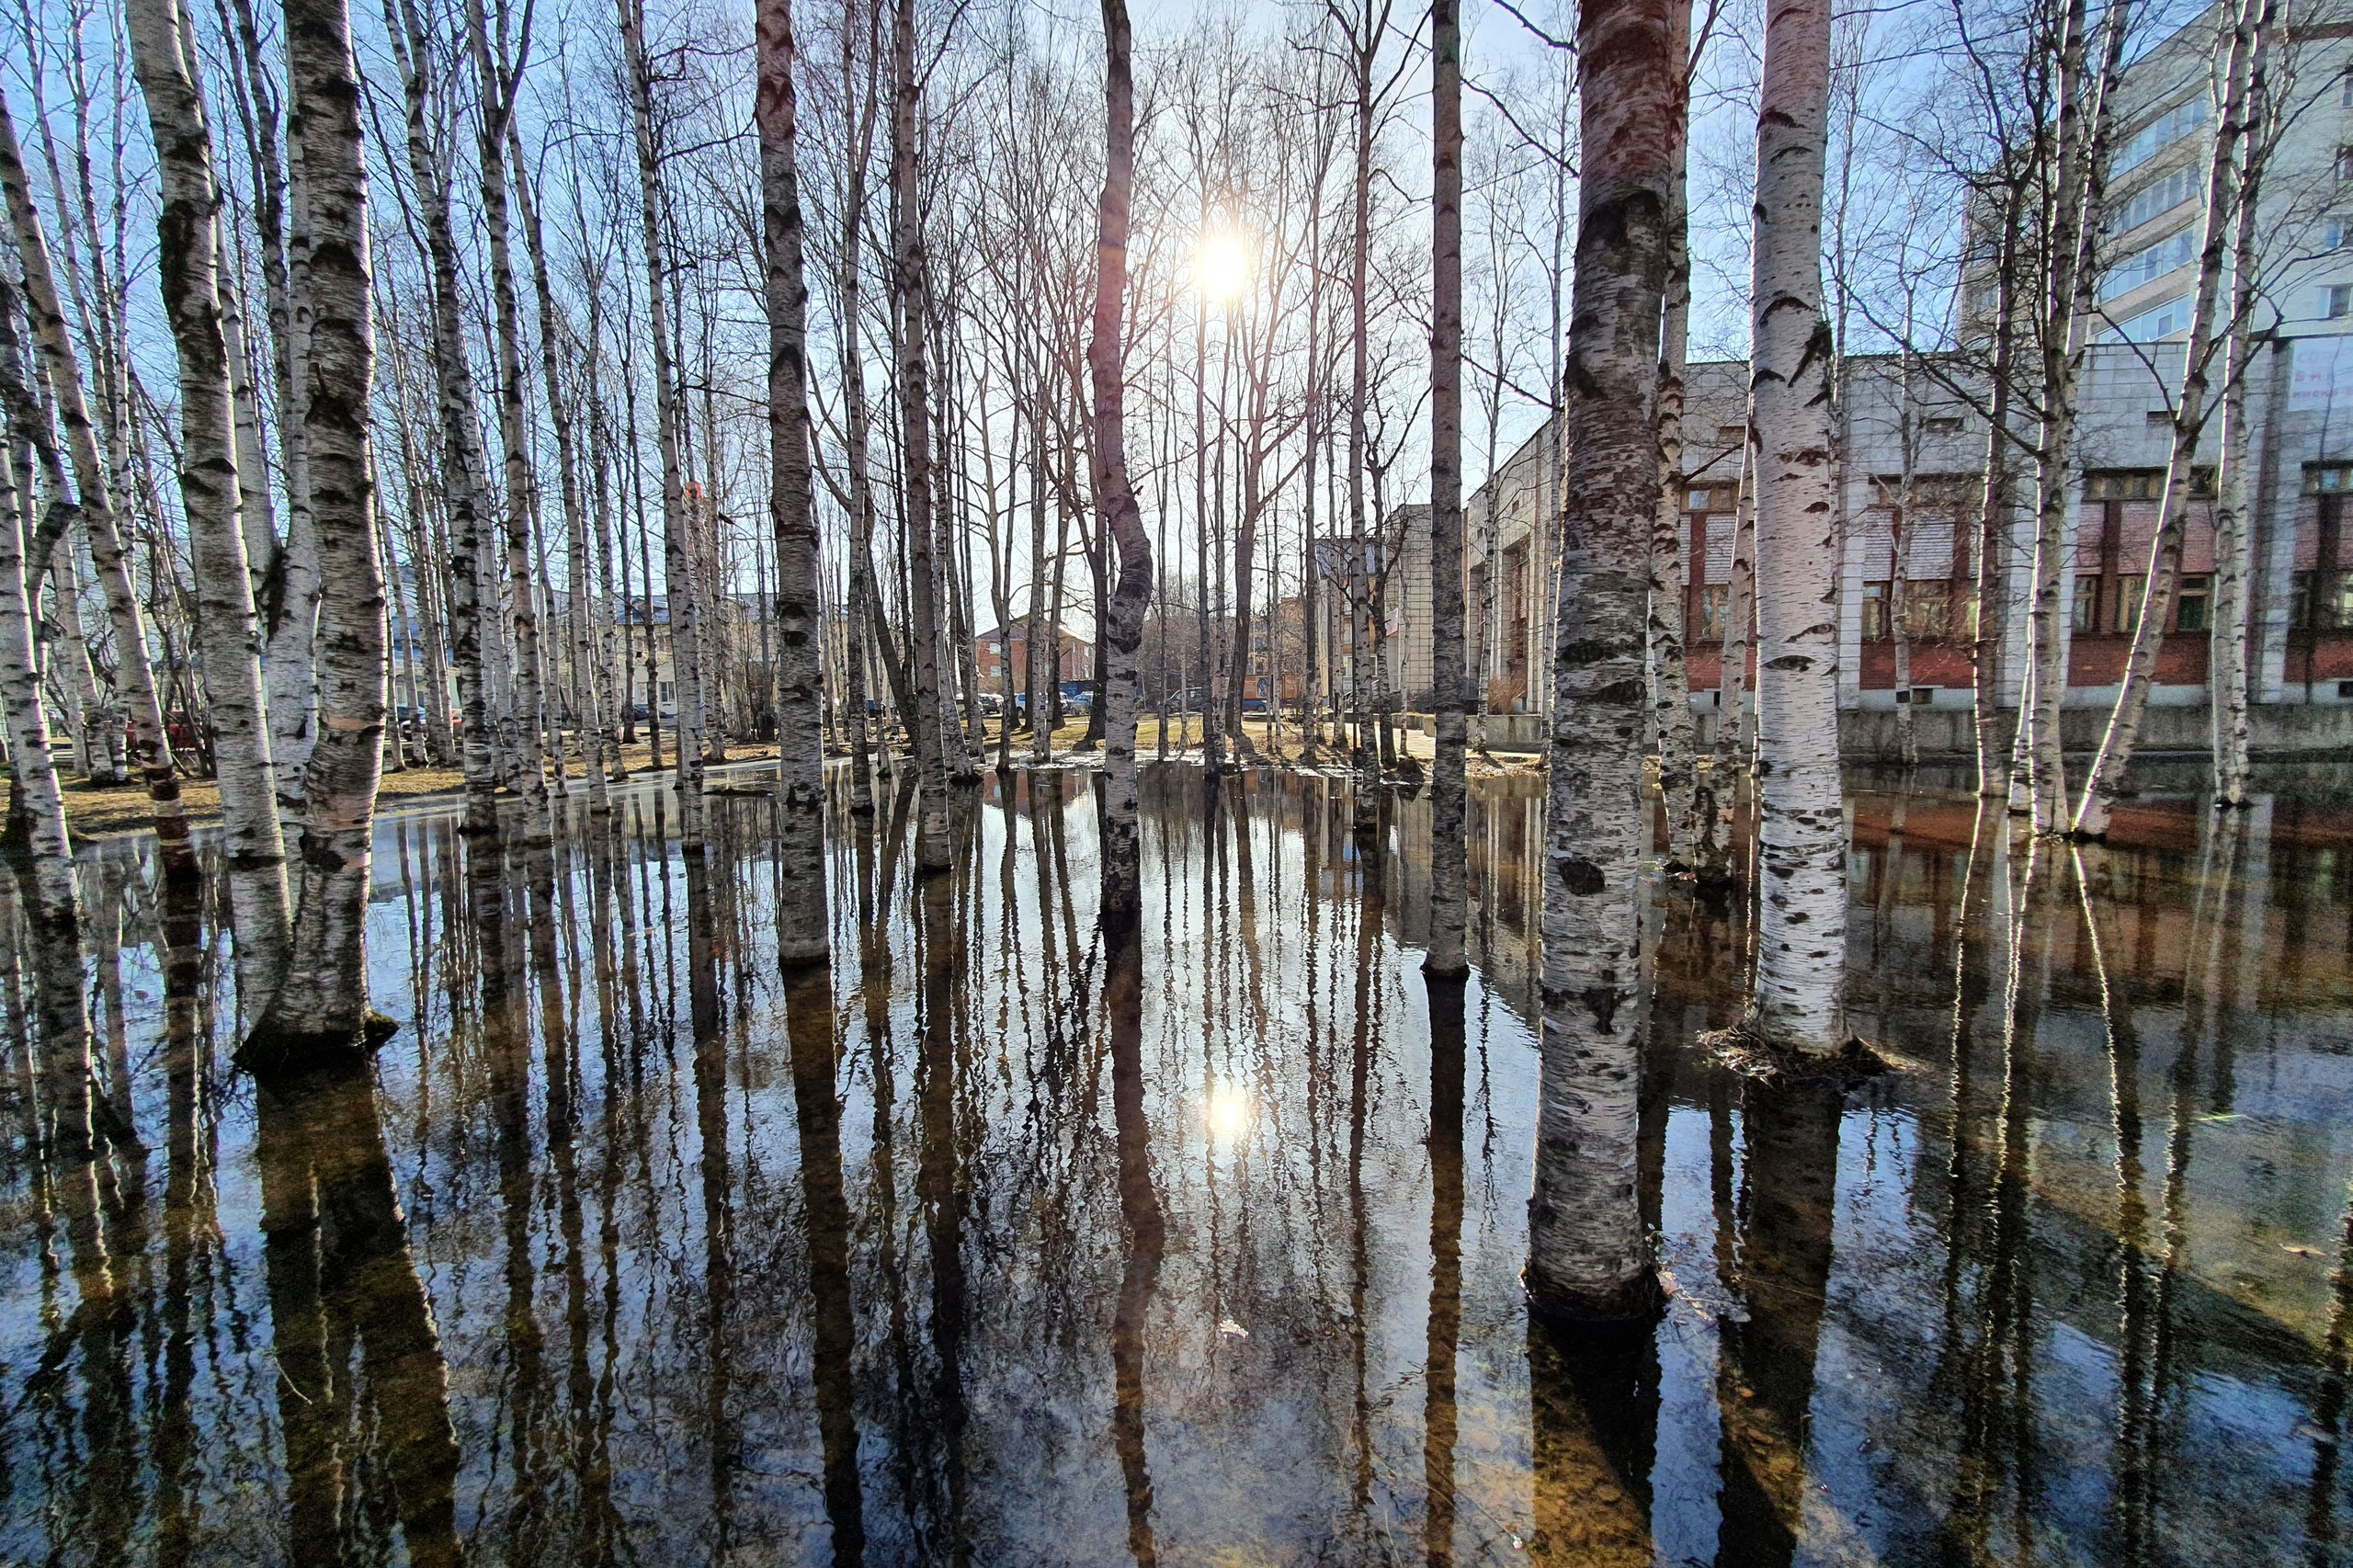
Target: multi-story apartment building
2300,417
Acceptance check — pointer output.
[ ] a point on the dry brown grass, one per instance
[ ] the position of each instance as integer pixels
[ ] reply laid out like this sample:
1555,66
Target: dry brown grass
93,812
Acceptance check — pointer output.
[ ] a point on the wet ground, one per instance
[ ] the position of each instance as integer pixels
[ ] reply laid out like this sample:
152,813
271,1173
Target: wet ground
629,1253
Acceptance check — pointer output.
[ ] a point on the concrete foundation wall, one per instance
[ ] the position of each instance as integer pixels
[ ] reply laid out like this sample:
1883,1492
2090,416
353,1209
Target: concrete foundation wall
1945,734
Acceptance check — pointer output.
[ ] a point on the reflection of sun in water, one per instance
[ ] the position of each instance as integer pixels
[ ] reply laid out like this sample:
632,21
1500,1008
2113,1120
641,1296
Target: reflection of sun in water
1229,1113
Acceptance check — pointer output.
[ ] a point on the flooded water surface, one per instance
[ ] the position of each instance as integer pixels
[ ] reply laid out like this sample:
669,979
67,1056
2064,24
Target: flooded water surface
1005,1242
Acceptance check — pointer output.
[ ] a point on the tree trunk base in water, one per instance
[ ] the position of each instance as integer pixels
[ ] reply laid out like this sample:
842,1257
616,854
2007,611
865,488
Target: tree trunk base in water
1631,1306
1744,1048
281,1056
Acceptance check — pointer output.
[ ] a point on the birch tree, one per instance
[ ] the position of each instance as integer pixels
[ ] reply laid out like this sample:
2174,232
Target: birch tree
801,936
1122,622
1670,696
2106,778
2070,293
686,628
320,1007
2233,527
136,677
1450,859
498,70
908,286
1801,831
462,467
1586,1256
34,774
188,265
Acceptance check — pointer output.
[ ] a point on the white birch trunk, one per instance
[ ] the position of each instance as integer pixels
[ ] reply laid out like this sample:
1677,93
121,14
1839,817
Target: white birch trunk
1800,829
461,455
801,935
2105,779
686,631
34,774
1587,1256
188,265
1449,855
319,1011
1671,688
135,676
496,81
1123,629
910,285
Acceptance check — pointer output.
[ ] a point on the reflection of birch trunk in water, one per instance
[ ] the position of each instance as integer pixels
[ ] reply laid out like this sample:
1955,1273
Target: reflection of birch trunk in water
1147,1230
338,1263
1594,1403
809,1023
179,934
1446,1270
939,1186
1585,1250
2134,1404
101,1322
1765,1379
1992,1404
718,1204
1371,912
2329,1405
505,1046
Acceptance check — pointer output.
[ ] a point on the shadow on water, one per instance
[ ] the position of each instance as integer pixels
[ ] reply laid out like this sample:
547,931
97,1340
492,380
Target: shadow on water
1008,1237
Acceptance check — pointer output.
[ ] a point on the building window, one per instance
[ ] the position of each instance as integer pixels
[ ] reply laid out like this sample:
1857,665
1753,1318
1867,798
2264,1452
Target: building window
2149,263
2191,605
2343,166
2156,322
1927,610
2086,604
1714,596
1696,500
2129,591
1875,612
1942,424
2327,479
2336,606
2300,601
2154,199
2169,127
2333,234
2125,484
2336,300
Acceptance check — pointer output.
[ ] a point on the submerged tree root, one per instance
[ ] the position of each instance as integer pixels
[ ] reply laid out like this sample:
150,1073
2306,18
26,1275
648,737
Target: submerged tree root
1745,1050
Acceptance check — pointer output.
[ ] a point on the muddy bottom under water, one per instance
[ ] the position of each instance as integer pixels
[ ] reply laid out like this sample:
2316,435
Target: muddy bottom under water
633,1251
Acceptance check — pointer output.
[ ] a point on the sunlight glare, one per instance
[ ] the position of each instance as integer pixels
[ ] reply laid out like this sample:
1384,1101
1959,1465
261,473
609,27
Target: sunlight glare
1223,267
1229,1113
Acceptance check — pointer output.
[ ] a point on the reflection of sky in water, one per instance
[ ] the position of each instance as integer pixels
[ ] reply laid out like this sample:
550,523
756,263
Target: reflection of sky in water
2010,1335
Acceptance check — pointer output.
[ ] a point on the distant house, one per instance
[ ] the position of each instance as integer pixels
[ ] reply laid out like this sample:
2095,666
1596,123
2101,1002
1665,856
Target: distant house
994,650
